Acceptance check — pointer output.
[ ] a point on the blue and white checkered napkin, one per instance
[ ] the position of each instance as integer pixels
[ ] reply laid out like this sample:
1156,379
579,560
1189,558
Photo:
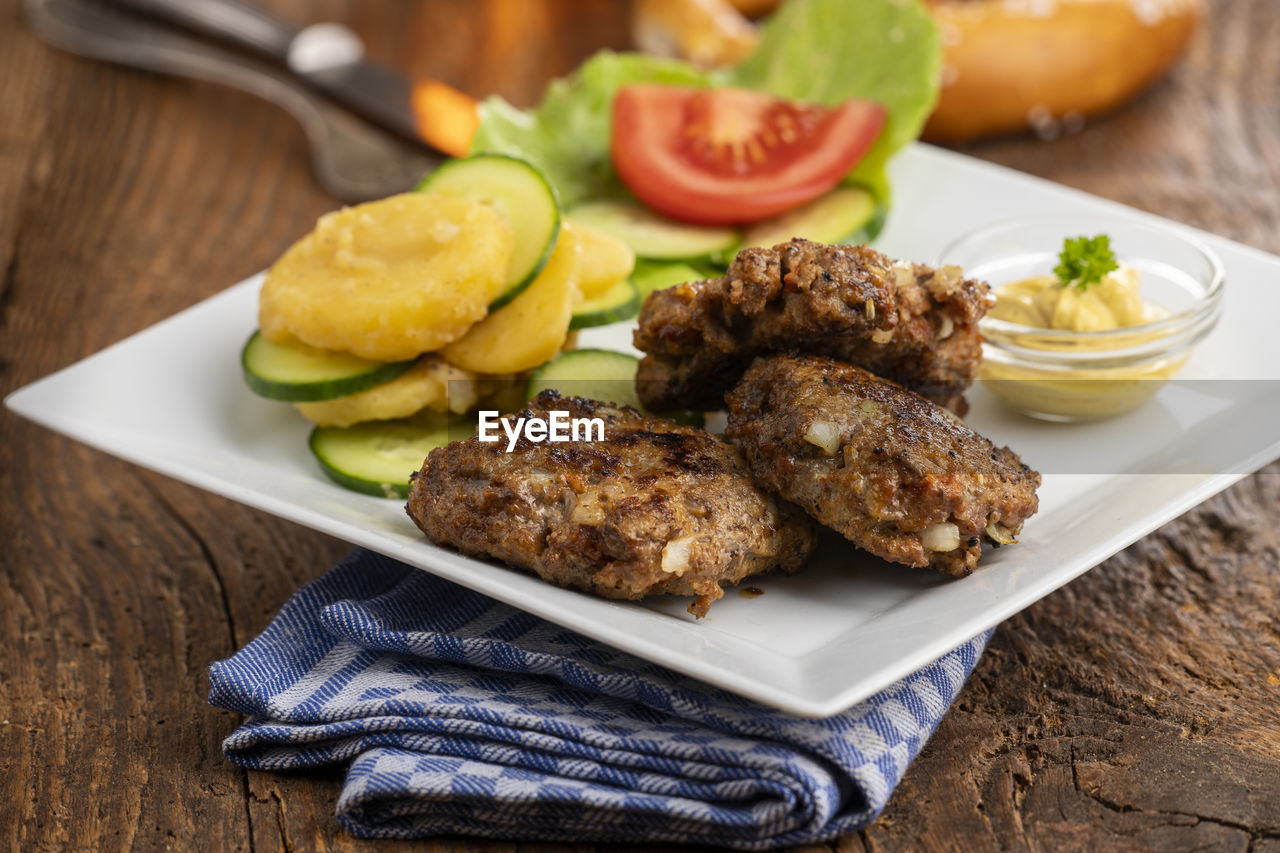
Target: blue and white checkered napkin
461,715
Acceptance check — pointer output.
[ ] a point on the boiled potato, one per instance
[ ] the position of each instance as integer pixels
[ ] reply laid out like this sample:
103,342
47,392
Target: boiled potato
606,260
432,384
531,328
390,279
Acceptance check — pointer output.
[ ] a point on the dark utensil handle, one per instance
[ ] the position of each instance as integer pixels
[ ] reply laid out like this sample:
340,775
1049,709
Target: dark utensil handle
232,21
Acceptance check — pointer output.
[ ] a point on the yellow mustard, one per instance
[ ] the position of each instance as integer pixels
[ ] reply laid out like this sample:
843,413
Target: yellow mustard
1043,302
1061,392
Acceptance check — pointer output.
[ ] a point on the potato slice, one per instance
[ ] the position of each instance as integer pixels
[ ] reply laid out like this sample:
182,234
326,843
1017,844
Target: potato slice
606,260
390,279
531,329
432,384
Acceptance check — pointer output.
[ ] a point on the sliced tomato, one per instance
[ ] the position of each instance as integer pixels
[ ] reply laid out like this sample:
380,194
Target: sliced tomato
730,156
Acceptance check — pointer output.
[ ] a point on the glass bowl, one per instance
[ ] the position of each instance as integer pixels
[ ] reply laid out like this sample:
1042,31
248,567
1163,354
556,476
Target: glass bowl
1068,375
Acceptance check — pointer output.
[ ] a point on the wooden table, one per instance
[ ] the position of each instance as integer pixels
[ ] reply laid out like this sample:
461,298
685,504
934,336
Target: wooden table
1138,707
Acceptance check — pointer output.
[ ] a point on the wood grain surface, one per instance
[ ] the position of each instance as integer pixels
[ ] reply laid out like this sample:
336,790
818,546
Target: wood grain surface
1138,708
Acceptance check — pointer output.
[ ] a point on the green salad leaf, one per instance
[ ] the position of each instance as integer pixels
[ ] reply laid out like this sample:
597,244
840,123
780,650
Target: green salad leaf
827,51
566,137
822,51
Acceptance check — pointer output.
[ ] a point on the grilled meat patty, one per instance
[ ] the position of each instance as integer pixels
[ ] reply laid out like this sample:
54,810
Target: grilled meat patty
654,508
908,322
891,471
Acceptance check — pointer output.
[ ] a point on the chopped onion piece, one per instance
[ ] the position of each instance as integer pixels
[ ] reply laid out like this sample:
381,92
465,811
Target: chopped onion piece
589,510
675,555
882,336
997,532
903,275
945,327
944,536
824,434
945,281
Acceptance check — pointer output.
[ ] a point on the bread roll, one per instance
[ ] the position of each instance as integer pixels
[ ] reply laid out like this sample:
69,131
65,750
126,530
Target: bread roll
1010,64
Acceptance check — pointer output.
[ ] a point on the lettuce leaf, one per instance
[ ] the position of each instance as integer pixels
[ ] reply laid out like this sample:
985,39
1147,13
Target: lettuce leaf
823,51
827,51
567,135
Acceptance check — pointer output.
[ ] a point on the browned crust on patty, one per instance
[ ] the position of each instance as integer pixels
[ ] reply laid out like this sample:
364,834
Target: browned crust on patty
655,508
908,322
893,465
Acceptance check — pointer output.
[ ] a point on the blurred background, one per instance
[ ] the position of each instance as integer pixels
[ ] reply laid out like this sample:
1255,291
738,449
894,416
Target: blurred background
1171,89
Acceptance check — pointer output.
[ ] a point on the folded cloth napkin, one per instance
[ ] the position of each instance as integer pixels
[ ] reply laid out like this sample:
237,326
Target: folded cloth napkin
461,715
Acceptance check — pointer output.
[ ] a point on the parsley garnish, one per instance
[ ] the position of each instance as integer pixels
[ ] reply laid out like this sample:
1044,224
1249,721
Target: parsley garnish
1085,260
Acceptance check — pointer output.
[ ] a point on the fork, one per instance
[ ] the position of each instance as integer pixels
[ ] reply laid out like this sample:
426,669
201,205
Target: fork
352,160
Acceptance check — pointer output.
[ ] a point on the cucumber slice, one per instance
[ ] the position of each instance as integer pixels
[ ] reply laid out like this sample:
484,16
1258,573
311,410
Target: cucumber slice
597,374
297,373
662,276
619,302
651,235
871,228
831,218
377,457
521,194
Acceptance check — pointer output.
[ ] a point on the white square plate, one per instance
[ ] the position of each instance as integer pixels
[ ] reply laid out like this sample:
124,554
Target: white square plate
171,399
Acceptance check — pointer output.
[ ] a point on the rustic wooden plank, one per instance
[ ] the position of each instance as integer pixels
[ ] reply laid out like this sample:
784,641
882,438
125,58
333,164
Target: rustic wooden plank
1133,707
112,605
24,164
